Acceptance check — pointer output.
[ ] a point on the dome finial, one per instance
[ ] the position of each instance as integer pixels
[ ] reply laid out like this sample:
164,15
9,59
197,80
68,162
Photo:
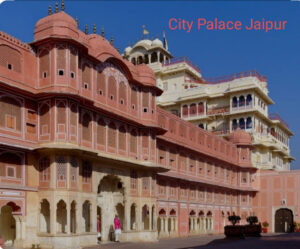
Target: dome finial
62,5
76,19
112,40
49,10
86,29
102,31
56,7
94,28
145,32
118,49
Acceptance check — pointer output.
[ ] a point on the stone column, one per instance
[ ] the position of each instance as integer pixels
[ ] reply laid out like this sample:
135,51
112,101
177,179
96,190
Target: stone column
176,224
150,218
23,227
126,215
68,207
79,221
52,218
18,227
166,225
162,227
172,224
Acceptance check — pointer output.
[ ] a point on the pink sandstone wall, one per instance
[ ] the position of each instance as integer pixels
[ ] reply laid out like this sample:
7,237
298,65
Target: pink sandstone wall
275,189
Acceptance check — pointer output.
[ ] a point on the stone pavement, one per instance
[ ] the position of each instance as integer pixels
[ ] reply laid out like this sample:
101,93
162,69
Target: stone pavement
270,241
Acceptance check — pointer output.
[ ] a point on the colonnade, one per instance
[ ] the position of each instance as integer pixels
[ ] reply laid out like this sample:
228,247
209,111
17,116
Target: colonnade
200,225
168,226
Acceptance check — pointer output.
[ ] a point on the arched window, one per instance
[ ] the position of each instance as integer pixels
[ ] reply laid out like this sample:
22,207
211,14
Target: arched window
249,100
86,76
200,108
193,109
249,123
161,58
234,124
146,59
134,97
45,216
242,123
140,60
101,86
185,110
242,101
153,57
86,215
122,94
133,61
234,102
61,217
112,88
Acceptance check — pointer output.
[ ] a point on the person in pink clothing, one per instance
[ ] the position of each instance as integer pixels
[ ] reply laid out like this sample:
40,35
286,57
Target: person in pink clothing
117,225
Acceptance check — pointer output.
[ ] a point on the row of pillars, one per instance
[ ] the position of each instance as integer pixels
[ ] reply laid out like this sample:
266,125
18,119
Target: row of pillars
165,229
201,225
20,229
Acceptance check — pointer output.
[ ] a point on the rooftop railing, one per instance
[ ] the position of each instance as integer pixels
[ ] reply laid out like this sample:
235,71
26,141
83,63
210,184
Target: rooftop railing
227,78
182,59
275,116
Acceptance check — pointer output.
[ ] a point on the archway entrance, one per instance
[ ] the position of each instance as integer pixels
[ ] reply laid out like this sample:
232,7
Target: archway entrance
7,225
283,220
111,202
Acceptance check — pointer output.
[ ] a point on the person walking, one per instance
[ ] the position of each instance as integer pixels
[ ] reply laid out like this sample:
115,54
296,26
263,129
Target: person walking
117,228
98,229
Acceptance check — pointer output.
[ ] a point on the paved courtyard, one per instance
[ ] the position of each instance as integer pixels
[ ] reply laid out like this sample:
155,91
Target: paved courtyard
274,241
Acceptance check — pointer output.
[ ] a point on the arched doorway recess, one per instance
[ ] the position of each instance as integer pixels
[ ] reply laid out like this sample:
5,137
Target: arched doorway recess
111,201
284,219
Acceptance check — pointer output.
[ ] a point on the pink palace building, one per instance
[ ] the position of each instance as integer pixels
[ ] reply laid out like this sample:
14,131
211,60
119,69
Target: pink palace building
81,136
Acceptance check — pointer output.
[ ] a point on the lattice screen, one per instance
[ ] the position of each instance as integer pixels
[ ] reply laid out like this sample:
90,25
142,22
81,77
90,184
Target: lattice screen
61,168
73,169
44,168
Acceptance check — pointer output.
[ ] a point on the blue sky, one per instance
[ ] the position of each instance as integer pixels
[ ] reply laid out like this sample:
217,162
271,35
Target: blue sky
275,54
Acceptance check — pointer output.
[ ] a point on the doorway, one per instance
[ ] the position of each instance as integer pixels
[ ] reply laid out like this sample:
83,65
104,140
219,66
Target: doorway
283,220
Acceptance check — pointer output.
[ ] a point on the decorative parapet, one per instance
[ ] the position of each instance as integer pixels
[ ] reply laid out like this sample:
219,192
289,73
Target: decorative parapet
227,78
14,40
275,116
182,59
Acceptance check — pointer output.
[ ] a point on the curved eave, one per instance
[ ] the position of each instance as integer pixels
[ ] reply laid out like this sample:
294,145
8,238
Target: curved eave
191,178
106,157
